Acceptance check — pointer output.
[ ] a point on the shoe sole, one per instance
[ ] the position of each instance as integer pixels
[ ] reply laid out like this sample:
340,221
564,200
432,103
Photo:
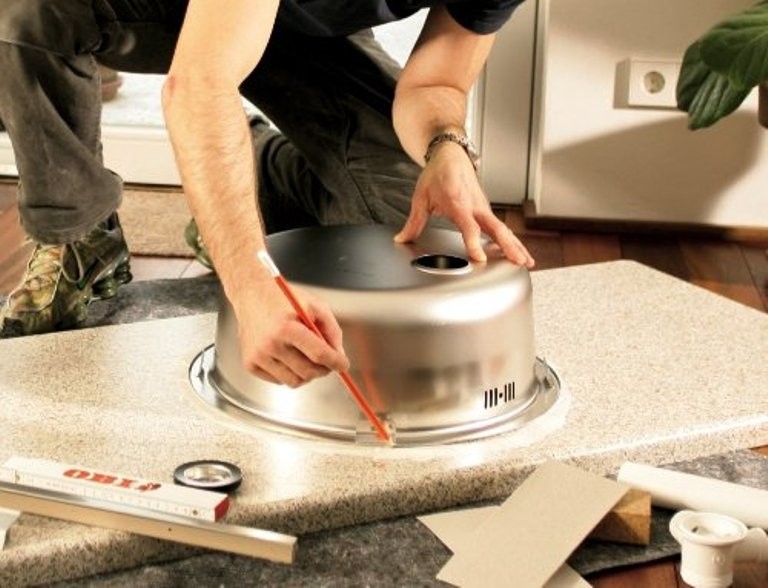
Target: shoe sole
107,286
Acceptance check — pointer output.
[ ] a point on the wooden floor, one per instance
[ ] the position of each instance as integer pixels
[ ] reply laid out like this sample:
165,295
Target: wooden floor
736,270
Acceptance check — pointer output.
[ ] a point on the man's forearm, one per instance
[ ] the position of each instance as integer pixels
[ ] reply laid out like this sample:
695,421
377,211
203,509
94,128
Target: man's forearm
217,49
431,94
421,113
214,152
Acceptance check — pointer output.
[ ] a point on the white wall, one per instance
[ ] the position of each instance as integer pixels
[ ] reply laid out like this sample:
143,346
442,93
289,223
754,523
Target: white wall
596,159
504,109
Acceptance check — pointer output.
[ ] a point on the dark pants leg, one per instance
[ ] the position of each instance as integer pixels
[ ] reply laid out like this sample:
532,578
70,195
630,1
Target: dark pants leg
50,101
338,160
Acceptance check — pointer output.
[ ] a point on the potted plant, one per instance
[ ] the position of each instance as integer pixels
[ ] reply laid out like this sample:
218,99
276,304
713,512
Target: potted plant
721,68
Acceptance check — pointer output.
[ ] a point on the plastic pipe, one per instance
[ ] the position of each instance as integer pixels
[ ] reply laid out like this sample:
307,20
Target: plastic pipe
678,491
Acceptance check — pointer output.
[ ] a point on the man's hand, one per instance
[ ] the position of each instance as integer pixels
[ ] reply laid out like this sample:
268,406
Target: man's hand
449,187
431,98
276,346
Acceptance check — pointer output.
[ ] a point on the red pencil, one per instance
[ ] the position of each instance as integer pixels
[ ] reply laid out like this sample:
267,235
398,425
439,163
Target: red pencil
269,263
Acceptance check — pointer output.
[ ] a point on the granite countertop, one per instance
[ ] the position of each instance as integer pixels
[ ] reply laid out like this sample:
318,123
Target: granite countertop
648,378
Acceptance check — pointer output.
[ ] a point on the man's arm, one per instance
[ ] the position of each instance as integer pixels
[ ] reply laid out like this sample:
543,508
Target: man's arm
219,45
431,98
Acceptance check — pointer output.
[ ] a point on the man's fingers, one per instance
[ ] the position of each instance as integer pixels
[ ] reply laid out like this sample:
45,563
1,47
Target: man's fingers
473,241
415,224
275,371
327,325
510,245
316,351
291,365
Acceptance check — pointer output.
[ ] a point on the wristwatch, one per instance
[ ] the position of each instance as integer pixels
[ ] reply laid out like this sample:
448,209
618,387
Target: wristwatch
462,140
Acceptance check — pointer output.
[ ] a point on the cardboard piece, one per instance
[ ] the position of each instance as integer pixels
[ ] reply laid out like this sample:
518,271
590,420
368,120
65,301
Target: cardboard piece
450,527
629,521
567,577
533,532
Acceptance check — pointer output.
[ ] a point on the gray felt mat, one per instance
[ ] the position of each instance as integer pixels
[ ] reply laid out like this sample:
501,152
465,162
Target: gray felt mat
403,552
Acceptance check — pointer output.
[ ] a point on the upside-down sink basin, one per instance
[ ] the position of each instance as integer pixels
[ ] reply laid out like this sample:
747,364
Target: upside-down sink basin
442,347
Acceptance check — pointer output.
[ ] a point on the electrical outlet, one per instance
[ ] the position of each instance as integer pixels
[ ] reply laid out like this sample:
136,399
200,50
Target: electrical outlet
642,83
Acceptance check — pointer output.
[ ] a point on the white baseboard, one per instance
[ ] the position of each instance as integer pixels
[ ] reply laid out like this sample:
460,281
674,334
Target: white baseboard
141,155
7,161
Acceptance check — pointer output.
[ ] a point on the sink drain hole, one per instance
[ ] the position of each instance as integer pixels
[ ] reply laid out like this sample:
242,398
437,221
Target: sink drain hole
437,263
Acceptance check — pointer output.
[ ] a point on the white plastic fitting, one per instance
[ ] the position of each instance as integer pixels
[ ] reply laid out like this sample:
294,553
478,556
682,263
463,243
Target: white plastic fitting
710,543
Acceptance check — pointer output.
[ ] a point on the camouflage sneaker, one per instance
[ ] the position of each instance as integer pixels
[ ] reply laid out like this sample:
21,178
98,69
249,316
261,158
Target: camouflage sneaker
195,241
61,280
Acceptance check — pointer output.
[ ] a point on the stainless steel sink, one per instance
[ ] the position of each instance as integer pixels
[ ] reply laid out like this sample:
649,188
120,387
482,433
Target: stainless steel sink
442,347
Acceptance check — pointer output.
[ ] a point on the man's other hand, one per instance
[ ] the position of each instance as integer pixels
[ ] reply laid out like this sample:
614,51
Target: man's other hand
448,186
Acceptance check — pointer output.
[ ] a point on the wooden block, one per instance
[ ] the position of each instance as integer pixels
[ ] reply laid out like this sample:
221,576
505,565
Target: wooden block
627,522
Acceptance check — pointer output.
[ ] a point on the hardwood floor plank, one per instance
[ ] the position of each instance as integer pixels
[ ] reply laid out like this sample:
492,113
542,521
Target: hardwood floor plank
757,262
721,268
7,194
514,218
660,574
750,575
544,246
581,248
11,233
12,268
547,251
663,254
14,251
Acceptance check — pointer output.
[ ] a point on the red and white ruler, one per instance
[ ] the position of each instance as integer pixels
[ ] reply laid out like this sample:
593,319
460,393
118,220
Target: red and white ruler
115,488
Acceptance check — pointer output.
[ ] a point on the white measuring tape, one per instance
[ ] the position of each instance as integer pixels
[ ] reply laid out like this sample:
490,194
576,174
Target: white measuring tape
166,511
115,488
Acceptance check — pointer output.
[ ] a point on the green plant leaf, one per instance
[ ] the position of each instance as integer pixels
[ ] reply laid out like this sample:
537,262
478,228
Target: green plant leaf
693,73
716,98
738,47
705,94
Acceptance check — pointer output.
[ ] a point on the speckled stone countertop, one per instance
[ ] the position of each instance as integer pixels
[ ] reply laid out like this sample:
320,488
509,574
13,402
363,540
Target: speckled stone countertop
656,370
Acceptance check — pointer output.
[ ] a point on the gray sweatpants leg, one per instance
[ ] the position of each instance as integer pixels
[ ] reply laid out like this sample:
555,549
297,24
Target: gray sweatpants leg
49,103
50,100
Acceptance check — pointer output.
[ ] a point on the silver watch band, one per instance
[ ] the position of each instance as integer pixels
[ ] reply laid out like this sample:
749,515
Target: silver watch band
461,140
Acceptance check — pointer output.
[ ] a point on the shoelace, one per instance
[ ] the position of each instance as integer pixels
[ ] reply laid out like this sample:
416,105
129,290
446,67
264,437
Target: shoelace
46,264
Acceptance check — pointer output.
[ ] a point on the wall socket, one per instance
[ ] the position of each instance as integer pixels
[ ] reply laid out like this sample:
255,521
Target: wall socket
644,83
